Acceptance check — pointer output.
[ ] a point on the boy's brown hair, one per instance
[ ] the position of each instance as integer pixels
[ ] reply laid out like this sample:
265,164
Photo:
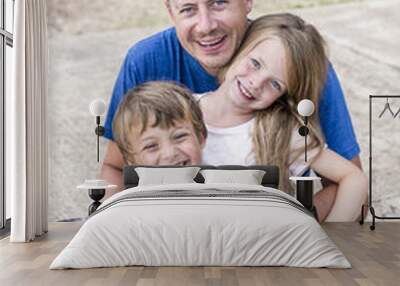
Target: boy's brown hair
162,101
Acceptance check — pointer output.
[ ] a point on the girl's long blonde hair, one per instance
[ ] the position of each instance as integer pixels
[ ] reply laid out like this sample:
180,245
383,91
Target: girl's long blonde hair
307,71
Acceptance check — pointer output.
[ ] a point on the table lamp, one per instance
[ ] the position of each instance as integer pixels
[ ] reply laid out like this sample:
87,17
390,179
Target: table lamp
97,108
304,184
97,187
305,109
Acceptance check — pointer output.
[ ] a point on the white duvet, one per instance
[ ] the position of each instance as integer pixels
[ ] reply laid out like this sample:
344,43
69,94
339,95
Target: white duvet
245,225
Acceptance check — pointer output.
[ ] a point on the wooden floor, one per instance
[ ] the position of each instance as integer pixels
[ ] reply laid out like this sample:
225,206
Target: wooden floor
374,255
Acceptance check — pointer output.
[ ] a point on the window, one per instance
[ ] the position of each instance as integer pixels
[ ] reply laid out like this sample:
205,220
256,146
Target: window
6,44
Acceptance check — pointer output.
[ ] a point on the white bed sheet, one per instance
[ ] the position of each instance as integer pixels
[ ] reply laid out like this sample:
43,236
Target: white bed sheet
183,231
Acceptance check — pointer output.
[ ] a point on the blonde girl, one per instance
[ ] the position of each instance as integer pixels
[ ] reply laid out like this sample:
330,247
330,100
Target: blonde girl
252,117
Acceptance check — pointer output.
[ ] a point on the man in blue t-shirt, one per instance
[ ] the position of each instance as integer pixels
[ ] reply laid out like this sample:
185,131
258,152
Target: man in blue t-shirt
204,38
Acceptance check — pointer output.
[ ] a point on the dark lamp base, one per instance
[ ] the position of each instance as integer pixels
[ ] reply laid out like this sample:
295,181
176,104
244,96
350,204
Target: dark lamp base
304,194
96,195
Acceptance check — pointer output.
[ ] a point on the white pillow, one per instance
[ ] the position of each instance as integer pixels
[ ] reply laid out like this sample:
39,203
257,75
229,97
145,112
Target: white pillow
164,176
248,177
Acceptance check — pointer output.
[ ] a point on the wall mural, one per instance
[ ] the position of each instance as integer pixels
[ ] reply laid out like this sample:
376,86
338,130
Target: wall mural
192,97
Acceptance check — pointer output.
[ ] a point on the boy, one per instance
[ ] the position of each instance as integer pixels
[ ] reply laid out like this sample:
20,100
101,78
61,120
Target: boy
160,123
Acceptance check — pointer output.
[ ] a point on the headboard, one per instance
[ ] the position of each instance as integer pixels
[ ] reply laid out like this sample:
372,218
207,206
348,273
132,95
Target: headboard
270,179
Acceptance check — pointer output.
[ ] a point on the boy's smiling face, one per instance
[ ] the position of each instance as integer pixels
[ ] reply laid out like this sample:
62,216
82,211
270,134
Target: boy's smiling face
177,145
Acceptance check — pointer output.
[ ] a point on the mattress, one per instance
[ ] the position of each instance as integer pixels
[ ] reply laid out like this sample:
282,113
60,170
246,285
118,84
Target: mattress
201,225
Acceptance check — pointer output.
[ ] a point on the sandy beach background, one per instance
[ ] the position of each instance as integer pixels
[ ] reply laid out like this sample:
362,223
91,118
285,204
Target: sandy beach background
88,40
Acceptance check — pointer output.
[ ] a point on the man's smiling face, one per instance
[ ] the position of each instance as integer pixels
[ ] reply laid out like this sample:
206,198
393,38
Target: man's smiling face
210,30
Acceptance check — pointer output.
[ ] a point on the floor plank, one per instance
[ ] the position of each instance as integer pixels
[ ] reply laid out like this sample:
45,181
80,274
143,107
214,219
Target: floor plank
374,255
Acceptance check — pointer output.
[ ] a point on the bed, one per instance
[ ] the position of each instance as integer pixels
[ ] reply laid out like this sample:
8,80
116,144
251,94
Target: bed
201,223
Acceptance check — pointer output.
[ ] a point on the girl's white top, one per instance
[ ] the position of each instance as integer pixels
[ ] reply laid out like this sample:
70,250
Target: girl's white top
233,146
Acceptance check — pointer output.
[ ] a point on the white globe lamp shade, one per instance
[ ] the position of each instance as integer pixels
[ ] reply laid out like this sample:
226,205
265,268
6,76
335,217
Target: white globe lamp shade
305,107
97,107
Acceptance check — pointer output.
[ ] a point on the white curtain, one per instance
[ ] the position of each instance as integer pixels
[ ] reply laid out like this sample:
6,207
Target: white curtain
26,123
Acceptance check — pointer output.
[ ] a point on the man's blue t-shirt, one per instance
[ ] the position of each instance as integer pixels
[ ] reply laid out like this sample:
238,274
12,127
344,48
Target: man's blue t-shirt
161,57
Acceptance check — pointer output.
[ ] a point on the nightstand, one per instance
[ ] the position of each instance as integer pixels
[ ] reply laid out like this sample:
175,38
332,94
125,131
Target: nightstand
96,190
305,192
